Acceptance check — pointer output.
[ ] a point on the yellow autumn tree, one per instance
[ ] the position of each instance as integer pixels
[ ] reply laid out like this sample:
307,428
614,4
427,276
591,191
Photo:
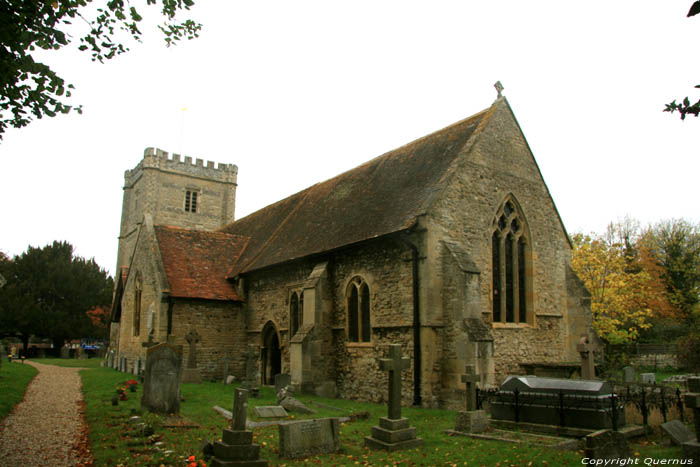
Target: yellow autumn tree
624,296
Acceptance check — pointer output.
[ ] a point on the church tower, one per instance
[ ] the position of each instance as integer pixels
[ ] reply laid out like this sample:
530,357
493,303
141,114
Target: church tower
176,193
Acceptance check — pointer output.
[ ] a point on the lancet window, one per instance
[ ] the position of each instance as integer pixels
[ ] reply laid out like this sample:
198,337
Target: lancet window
296,312
510,266
358,311
138,286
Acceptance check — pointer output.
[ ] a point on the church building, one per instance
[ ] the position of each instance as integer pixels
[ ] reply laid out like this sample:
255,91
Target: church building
450,245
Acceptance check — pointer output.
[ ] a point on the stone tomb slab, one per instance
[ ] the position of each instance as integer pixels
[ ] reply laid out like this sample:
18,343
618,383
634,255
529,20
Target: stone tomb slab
270,411
309,437
678,432
587,402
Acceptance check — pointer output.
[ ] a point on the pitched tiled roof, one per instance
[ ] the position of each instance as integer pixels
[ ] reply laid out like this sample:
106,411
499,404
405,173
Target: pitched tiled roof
196,263
382,196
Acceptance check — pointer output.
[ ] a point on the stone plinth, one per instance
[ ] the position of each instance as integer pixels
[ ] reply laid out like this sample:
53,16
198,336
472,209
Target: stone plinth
236,447
393,435
472,421
191,375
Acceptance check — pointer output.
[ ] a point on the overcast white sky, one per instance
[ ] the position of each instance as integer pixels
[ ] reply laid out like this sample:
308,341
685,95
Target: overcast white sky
297,92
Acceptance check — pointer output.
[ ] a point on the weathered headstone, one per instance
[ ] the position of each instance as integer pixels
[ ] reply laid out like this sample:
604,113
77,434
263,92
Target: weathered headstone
647,378
691,449
270,411
161,386
110,359
628,374
226,363
309,437
290,403
191,373
606,444
586,348
393,432
65,352
251,371
471,420
282,380
678,432
236,447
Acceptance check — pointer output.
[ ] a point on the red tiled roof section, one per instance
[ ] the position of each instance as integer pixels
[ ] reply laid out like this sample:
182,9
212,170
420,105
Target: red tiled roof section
196,263
382,196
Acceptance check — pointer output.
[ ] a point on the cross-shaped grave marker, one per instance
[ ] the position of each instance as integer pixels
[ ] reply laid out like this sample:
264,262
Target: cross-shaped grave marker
470,378
394,365
192,338
586,347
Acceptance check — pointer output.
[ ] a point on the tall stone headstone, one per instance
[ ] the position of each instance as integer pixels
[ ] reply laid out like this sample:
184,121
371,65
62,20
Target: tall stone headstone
236,447
586,348
250,382
65,352
393,432
161,385
191,373
471,420
628,374
691,449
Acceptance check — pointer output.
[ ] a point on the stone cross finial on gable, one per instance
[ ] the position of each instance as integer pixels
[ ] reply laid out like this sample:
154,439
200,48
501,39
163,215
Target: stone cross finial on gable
240,410
499,88
471,379
394,365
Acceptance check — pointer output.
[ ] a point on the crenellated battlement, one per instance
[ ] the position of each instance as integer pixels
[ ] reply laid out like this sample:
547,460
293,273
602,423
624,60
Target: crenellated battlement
156,158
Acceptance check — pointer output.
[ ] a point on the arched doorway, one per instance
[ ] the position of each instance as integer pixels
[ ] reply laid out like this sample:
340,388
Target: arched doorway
271,354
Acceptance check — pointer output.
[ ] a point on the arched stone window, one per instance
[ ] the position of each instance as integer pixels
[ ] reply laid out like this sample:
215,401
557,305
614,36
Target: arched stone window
511,269
296,312
358,311
138,287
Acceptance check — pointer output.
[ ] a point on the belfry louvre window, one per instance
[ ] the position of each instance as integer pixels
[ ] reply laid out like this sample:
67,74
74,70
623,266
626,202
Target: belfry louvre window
358,310
510,266
191,201
296,312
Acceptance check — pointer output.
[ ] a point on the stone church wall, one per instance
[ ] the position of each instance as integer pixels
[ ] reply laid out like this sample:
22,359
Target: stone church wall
220,326
499,165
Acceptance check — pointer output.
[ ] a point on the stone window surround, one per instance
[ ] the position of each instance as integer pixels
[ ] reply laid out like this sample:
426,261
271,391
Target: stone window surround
192,194
358,282
511,211
138,291
299,293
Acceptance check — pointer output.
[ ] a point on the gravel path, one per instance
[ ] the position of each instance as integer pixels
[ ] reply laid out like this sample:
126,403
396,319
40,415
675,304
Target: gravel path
47,428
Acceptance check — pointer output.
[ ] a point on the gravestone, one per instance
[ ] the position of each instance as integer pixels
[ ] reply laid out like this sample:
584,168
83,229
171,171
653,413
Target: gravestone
191,373
587,403
110,359
471,420
678,432
290,403
82,354
586,348
647,378
251,371
628,374
282,380
309,437
270,411
607,444
65,352
161,385
393,432
236,447
691,449
226,363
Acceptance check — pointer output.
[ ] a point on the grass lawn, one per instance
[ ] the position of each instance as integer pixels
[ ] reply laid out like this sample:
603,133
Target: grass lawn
116,441
70,362
14,379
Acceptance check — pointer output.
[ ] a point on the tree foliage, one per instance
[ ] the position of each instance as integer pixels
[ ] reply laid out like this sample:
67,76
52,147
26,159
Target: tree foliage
624,294
685,107
49,292
30,89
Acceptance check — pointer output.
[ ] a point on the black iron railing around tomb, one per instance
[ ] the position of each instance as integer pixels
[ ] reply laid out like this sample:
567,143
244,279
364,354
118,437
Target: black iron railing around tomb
643,397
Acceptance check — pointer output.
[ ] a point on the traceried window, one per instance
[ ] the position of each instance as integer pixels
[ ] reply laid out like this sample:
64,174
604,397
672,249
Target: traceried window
296,312
137,304
510,266
191,200
358,311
